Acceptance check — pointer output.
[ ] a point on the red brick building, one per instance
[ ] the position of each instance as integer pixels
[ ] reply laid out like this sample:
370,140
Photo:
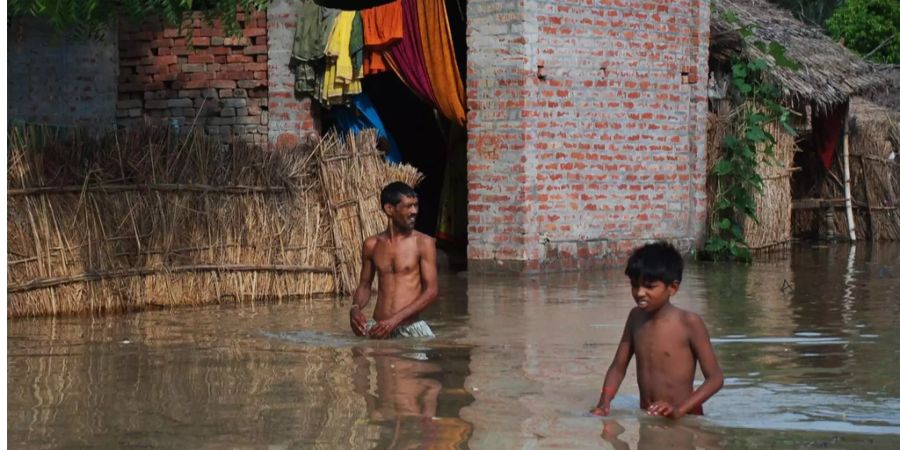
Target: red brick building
586,118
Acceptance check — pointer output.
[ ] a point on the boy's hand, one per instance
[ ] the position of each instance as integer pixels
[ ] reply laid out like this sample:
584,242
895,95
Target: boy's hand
601,409
664,409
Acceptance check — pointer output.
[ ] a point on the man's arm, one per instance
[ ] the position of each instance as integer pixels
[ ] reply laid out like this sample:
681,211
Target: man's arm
363,291
709,365
617,369
428,273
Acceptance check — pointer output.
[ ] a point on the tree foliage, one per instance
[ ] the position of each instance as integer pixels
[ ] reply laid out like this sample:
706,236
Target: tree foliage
869,27
89,18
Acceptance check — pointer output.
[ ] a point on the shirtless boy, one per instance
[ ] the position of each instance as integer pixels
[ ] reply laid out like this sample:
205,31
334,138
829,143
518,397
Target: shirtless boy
667,342
406,263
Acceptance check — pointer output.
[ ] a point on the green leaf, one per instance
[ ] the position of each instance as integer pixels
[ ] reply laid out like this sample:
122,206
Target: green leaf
723,167
730,16
755,134
725,224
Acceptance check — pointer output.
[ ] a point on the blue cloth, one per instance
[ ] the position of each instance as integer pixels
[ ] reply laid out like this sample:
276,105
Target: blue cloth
347,120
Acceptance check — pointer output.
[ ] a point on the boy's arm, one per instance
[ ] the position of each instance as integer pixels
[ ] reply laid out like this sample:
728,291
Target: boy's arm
709,365
617,369
363,291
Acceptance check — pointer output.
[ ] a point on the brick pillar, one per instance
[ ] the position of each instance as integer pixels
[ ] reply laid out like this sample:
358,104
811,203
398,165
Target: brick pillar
291,120
586,129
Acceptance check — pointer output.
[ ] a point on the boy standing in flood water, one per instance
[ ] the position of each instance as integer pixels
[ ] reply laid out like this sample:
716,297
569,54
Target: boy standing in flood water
667,342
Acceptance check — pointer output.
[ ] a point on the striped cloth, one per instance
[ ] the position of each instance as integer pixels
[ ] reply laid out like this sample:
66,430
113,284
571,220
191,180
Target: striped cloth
416,329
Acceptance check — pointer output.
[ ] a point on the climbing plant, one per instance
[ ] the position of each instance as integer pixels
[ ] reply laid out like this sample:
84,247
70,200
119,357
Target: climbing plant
758,101
89,18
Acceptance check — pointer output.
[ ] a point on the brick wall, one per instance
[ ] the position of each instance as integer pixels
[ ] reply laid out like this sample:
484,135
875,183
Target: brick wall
57,80
290,119
587,129
219,80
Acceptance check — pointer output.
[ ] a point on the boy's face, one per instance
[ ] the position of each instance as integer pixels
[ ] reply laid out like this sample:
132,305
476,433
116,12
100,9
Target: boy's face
650,296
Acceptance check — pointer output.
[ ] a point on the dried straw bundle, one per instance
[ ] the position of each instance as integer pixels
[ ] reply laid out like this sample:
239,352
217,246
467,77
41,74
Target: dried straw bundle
353,173
773,203
143,218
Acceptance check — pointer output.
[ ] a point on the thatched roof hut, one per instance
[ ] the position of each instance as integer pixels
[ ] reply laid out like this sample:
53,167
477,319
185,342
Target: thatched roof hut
829,73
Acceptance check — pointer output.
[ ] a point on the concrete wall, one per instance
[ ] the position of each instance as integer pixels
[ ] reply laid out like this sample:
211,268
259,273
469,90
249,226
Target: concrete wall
290,119
58,80
587,129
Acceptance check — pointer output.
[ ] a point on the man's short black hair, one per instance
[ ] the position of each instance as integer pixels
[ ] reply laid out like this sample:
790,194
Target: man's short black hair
394,192
658,261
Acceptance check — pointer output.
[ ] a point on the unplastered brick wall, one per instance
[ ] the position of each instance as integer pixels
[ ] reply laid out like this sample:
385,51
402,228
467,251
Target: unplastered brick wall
589,138
218,80
291,119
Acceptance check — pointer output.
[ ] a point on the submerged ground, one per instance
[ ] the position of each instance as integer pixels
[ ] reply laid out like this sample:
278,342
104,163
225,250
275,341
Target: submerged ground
809,344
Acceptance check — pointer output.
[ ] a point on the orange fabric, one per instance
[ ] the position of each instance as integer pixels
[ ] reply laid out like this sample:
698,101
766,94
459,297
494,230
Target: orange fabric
382,27
440,60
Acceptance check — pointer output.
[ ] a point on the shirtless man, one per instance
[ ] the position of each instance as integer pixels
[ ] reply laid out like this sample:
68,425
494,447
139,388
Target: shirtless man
667,342
406,263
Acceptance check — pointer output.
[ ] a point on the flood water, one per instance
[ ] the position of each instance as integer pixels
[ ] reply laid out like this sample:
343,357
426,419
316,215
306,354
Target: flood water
809,345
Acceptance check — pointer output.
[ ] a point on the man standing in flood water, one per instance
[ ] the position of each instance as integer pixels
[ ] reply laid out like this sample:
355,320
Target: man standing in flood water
406,263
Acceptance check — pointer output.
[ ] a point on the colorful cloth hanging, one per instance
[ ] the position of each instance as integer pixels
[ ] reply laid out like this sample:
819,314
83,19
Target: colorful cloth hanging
383,27
360,115
405,58
827,127
314,25
340,80
440,59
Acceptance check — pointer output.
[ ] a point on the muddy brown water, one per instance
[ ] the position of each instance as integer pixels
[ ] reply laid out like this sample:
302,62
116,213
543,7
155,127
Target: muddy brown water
809,345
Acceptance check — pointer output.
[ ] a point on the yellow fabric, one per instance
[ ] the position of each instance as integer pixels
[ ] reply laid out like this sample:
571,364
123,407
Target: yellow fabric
340,79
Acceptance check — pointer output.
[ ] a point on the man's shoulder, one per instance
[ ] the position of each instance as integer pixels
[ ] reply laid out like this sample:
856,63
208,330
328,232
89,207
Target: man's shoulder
422,237
372,241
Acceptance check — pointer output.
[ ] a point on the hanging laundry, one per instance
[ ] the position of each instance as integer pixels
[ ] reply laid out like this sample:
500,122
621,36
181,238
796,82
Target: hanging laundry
357,44
440,59
827,127
405,58
340,80
383,27
314,24
360,114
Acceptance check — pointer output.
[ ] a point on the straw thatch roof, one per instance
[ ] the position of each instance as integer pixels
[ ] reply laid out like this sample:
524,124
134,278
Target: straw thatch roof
829,73
887,96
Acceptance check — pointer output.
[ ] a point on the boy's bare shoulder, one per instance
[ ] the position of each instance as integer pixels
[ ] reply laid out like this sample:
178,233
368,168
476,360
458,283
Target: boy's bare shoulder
690,319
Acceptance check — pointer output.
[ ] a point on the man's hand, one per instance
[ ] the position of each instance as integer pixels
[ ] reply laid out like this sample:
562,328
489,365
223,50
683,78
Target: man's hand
602,409
665,409
384,328
357,321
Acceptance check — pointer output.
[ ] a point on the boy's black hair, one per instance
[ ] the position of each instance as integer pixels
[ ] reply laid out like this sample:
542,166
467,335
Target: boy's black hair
658,261
394,192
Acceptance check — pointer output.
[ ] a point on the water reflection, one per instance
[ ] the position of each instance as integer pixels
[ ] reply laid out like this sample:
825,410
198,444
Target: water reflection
808,343
415,395
658,434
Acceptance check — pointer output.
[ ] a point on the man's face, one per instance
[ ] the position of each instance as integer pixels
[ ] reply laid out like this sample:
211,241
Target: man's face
403,214
650,296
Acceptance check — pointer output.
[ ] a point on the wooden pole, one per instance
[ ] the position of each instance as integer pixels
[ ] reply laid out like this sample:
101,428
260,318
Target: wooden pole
848,200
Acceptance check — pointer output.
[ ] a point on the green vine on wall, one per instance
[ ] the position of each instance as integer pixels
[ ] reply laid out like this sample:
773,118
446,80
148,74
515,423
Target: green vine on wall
758,103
